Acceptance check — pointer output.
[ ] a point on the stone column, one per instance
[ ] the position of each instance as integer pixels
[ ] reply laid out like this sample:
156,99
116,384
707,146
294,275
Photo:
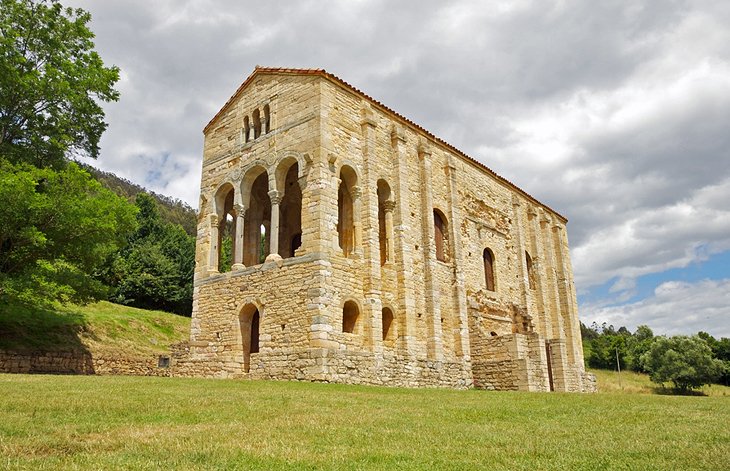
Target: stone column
389,206
275,198
214,241
434,344
356,193
240,212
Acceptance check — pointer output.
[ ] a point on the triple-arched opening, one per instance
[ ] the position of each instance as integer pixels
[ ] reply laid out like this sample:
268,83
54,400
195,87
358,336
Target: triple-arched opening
246,231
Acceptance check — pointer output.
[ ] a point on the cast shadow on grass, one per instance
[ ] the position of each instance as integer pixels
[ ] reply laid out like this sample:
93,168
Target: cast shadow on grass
43,340
677,392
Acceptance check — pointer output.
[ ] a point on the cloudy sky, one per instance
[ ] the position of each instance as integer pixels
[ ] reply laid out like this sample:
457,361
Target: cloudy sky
616,114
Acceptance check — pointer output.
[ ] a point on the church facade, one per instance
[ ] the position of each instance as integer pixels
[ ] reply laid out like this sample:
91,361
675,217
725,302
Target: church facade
338,241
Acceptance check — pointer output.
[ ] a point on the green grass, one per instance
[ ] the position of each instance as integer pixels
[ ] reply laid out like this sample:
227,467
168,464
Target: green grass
96,422
100,328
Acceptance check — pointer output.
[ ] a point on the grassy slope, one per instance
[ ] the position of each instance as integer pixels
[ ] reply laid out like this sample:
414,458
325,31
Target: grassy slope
100,328
62,422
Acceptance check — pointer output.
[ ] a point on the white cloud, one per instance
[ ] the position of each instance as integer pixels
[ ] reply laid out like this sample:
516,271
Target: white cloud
675,308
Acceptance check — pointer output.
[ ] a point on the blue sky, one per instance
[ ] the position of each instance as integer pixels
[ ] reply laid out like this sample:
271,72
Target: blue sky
616,114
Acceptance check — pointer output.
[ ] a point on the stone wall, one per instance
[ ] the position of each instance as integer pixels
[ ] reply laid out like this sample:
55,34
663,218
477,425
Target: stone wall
80,362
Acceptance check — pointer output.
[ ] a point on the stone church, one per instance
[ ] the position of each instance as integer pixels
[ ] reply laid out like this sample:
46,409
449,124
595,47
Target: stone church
339,241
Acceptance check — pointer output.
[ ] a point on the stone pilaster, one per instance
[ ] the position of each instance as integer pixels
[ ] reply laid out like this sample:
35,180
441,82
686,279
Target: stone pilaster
403,248
550,285
434,341
369,234
568,302
461,341
539,275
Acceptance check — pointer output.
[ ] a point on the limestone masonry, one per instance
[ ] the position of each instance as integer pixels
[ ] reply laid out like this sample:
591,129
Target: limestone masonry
339,241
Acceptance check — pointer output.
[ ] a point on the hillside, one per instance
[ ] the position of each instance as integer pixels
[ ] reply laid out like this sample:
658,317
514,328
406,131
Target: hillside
171,210
101,329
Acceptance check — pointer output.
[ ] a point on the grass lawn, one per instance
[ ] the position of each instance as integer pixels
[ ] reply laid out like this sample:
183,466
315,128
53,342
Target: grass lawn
105,422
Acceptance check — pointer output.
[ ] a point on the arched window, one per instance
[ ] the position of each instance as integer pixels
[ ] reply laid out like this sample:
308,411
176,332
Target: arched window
290,208
256,124
257,223
385,221
345,211
388,326
225,243
249,324
530,271
246,129
488,257
350,315
441,236
267,119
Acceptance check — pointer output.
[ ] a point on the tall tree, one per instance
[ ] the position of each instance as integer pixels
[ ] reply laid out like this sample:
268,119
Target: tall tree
57,228
155,270
51,83
686,362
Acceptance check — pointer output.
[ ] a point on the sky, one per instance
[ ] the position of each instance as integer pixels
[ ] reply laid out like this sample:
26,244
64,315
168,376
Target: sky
616,114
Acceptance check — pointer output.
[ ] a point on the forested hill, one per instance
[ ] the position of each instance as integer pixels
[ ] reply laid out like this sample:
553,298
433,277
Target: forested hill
171,210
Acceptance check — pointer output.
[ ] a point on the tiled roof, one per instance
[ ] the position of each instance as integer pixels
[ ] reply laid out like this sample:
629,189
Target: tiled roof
333,78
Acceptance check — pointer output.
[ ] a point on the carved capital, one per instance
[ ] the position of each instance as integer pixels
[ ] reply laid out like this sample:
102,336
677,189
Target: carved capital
356,192
302,182
424,150
397,135
213,218
275,196
389,206
239,210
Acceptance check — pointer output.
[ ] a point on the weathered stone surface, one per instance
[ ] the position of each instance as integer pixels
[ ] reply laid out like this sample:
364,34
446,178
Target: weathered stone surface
372,263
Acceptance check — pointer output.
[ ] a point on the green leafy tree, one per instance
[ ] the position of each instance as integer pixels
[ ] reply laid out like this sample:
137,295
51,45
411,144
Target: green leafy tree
51,83
638,344
155,271
57,229
686,362
721,351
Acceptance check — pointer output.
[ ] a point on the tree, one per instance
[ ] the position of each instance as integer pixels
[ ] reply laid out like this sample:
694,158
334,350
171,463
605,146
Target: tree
51,80
639,343
57,228
686,362
155,270
721,351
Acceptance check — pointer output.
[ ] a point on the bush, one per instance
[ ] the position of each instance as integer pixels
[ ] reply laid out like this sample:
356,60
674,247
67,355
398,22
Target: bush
686,362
